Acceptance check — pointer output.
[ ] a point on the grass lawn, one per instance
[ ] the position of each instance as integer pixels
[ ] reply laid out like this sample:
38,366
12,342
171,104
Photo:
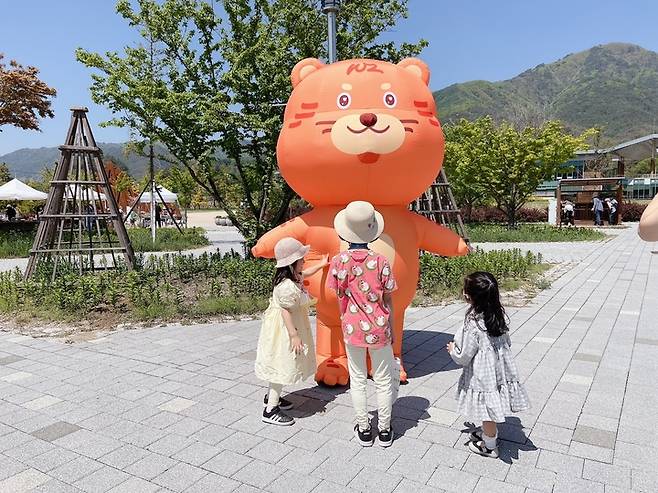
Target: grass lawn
531,233
16,244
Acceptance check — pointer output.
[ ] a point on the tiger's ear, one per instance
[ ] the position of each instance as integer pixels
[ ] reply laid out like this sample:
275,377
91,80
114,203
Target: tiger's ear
416,67
303,69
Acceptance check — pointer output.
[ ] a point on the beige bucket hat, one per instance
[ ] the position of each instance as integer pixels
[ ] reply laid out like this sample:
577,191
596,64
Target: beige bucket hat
287,251
359,222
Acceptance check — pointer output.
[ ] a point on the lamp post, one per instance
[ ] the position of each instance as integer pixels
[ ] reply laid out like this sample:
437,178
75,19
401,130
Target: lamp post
330,7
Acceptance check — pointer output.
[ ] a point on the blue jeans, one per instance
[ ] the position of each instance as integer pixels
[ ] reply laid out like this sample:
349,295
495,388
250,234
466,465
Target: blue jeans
597,218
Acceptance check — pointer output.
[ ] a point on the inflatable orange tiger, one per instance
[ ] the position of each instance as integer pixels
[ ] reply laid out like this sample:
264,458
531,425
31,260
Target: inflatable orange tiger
360,130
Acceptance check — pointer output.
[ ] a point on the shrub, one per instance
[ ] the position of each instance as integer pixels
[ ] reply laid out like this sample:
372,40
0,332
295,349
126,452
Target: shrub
494,215
480,233
174,285
445,275
632,211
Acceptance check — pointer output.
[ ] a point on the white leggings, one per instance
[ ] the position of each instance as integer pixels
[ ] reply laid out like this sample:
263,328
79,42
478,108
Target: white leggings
273,396
383,373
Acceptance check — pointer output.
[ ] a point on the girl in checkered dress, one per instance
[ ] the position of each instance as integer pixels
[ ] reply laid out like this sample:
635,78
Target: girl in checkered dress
489,388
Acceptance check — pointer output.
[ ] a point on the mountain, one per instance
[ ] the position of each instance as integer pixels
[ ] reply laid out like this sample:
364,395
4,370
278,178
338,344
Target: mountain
26,163
614,86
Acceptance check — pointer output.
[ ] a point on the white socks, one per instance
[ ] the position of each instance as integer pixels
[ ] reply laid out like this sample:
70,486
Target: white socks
489,442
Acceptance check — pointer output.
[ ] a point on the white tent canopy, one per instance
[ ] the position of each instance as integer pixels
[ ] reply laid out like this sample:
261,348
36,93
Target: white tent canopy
168,196
83,193
17,190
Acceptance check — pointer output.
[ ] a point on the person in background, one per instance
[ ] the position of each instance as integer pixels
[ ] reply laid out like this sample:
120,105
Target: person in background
612,207
597,208
158,215
10,211
568,209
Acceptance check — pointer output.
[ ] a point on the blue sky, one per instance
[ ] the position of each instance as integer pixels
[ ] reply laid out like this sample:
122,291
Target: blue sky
469,39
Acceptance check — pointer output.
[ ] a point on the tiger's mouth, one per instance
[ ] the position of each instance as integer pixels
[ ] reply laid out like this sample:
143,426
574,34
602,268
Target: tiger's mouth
368,157
383,130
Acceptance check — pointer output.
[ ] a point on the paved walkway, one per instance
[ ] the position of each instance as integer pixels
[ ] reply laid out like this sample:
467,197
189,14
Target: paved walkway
223,239
177,408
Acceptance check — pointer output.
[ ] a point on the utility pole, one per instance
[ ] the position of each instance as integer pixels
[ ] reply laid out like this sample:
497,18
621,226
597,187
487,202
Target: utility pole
330,7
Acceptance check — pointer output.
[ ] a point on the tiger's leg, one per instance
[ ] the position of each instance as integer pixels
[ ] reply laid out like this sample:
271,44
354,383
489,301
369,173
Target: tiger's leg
329,347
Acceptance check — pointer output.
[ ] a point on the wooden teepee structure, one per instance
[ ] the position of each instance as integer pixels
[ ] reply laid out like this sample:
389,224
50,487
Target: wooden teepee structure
438,204
75,224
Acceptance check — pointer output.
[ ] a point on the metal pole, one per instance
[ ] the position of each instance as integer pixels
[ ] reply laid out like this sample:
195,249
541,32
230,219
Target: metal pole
152,178
331,33
330,7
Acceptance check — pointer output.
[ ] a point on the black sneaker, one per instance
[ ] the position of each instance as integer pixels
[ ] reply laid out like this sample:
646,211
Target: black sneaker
476,436
276,417
481,449
284,404
386,437
365,438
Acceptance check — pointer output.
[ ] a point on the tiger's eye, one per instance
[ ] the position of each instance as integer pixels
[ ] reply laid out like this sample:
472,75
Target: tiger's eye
343,101
390,100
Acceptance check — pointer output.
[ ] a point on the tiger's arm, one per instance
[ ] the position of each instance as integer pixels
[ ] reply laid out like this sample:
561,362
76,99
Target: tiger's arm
438,239
295,228
649,222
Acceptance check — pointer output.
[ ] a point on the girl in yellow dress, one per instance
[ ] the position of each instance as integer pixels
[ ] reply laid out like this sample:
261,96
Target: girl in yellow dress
286,352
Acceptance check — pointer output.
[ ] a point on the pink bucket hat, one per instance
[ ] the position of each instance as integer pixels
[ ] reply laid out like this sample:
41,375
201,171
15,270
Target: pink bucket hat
288,250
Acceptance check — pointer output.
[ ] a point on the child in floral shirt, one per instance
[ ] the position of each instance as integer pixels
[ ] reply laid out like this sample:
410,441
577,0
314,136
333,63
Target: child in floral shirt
363,282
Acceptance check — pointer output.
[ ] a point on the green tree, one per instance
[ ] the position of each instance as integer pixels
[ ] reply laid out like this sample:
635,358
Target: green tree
515,162
5,174
204,81
467,149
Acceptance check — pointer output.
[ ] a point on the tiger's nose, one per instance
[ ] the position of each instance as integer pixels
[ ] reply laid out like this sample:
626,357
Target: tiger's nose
368,119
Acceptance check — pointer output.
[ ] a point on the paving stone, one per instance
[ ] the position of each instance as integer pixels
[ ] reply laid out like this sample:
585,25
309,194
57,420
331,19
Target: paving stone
371,479
55,486
644,480
562,464
170,444
489,485
307,440
376,457
270,451
607,474
24,481
135,485
291,482
75,469
594,436
302,461
484,466
258,474
10,467
179,477
176,405
587,451
409,486
123,457
337,471
587,357
531,477
55,431
150,466
240,442
454,480
576,485
197,453
213,483
103,479
226,463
